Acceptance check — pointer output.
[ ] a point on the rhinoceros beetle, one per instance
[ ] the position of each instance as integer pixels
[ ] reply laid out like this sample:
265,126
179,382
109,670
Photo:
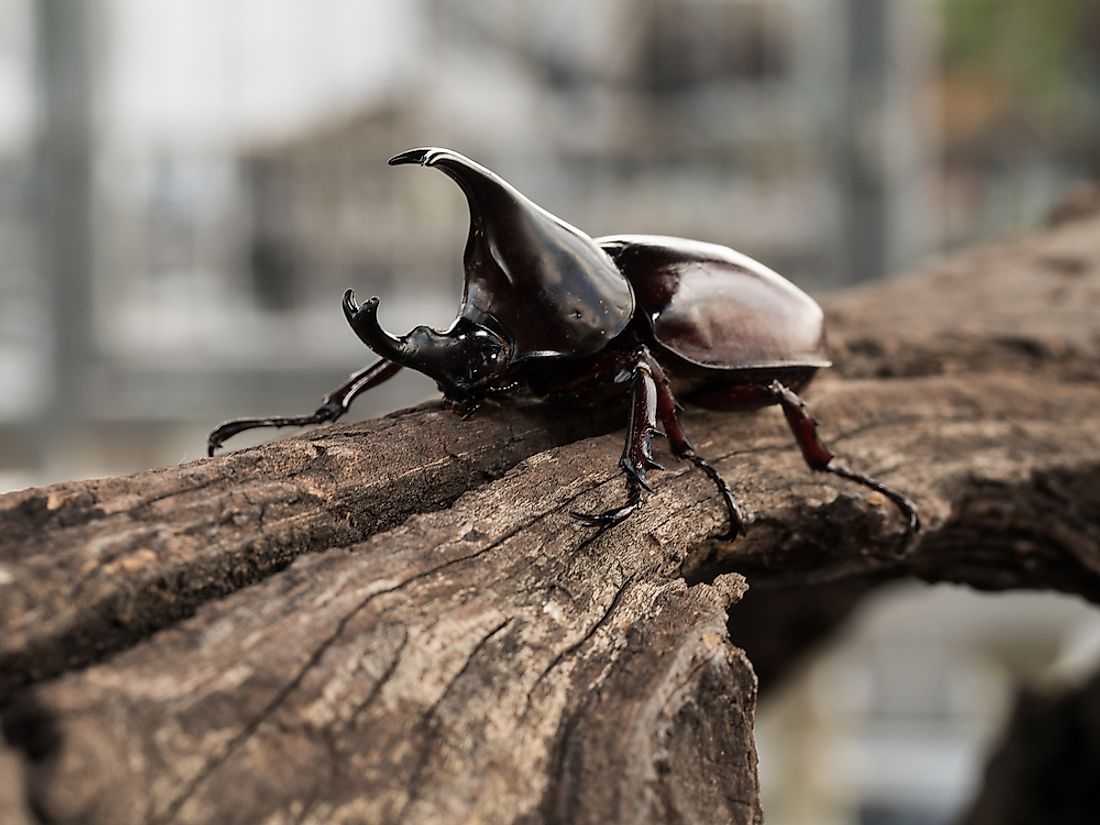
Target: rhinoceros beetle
586,319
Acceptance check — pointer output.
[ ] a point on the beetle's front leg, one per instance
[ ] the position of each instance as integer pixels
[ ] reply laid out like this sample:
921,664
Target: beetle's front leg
638,451
683,449
464,408
333,405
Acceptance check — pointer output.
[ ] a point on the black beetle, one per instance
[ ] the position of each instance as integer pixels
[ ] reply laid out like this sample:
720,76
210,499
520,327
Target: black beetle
572,317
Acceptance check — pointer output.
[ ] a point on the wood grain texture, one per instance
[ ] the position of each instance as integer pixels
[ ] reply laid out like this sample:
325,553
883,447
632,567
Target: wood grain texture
398,621
87,567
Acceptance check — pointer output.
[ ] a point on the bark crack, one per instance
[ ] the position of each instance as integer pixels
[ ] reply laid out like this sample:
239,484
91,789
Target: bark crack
565,653
428,721
281,696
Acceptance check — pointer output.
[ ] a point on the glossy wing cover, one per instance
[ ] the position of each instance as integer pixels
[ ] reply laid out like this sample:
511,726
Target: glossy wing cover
718,308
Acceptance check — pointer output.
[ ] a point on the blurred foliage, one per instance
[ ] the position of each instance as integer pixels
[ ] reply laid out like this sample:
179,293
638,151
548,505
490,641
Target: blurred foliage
1038,51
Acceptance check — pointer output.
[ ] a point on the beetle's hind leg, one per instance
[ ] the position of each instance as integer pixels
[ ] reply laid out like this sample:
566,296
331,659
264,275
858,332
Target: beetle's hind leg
638,451
820,457
333,405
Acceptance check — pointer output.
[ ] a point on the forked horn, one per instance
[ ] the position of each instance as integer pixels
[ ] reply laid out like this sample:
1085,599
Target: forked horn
364,320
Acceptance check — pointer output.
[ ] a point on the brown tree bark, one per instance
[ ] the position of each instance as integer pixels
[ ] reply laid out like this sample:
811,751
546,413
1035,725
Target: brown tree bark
397,621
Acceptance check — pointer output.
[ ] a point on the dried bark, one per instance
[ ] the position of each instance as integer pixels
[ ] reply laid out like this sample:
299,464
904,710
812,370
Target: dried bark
91,566
398,621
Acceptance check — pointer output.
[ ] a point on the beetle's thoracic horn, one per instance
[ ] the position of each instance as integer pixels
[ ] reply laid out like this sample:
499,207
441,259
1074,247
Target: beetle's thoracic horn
364,320
414,156
544,284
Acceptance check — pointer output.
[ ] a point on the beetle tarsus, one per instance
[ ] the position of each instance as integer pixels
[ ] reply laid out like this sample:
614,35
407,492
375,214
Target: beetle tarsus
228,429
902,502
734,515
609,518
667,408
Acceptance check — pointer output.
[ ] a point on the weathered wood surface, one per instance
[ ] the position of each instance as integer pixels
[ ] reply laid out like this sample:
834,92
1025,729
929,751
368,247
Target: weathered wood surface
396,621
86,567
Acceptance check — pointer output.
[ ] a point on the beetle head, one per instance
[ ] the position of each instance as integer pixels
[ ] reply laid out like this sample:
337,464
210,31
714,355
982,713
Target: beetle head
462,360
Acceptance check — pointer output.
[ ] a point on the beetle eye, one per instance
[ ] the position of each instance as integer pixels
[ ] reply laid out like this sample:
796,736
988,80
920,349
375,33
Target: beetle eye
482,355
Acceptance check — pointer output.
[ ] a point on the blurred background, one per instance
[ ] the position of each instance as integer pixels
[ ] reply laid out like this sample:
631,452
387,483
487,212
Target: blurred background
188,186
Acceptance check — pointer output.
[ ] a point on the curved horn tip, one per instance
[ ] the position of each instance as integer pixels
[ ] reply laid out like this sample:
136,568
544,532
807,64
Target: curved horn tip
351,309
423,156
363,319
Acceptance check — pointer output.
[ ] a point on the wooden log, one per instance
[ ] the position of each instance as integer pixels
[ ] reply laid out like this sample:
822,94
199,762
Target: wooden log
398,620
91,566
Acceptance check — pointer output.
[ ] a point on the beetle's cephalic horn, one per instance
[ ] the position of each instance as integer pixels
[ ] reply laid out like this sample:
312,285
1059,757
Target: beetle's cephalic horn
440,355
364,320
544,284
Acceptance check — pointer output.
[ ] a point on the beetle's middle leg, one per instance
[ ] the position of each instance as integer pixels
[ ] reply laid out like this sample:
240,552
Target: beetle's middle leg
683,449
638,451
652,399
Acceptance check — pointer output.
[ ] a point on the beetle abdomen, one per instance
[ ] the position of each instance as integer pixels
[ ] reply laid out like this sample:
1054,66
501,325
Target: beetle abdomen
718,308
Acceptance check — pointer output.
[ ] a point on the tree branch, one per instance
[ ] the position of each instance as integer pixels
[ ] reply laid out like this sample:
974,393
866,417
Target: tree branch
397,621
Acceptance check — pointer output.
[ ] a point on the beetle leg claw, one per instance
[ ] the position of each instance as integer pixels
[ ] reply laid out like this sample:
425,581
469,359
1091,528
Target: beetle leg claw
609,518
733,511
908,508
606,519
